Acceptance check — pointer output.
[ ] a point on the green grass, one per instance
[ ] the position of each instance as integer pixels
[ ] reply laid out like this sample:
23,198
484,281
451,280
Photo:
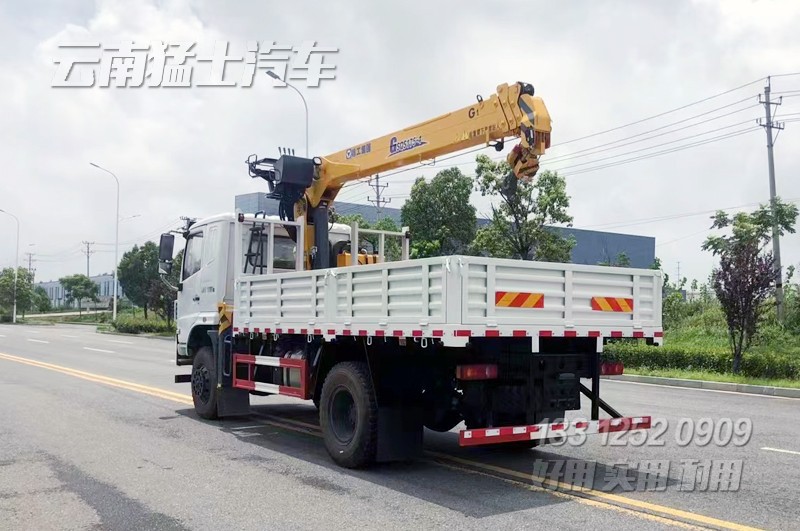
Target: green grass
713,377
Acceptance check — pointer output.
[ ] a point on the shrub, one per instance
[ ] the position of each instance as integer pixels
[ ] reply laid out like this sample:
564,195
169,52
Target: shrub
140,325
719,360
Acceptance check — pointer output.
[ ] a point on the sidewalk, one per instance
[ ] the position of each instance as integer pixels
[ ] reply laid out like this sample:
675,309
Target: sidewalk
785,392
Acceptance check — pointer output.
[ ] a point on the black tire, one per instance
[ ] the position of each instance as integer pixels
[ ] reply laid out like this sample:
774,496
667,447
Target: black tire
348,415
204,384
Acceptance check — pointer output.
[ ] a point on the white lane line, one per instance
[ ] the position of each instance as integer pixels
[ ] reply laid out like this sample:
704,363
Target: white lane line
120,342
667,387
781,451
71,337
38,340
99,350
1,335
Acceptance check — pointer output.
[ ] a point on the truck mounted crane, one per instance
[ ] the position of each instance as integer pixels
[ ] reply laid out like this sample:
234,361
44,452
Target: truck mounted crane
266,306
308,187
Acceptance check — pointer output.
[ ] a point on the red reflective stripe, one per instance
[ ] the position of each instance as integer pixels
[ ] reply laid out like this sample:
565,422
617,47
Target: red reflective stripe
493,333
397,333
616,333
245,384
362,332
379,333
520,299
594,333
658,334
498,295
545,333
235,328
290,391
438,333
294,364
346,332
255,330
278,330
570,333
244,358
416,333
638,334
519,333
331,332
614,303
581,425
463,333
290,331
557,426
246,330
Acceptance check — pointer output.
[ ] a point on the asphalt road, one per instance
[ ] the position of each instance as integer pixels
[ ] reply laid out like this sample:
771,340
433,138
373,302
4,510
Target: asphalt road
94,435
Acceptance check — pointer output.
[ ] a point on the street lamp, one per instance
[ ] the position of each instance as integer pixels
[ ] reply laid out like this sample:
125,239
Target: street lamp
273,75
116,240
16,266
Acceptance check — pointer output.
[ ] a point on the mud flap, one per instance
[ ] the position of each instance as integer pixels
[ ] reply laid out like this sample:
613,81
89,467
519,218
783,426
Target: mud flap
399,433
233,402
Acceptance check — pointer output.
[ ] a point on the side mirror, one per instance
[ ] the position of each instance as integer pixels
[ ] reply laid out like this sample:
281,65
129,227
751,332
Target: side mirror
165,248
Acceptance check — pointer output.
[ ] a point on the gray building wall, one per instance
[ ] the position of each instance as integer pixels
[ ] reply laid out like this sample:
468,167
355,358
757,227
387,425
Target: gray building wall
105,282
591,247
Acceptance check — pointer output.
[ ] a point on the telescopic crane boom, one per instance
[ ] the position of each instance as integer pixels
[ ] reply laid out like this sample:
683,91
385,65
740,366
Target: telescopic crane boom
309,186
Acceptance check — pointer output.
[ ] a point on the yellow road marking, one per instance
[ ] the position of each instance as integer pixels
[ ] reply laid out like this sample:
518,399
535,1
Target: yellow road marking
581,495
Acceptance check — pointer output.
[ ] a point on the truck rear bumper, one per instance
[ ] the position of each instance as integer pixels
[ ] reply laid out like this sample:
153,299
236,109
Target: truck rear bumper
576,428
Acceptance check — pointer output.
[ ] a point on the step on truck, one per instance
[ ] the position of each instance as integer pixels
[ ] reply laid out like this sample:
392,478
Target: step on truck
385,345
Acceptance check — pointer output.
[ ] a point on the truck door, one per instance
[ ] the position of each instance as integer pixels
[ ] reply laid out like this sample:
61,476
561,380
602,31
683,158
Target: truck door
189,295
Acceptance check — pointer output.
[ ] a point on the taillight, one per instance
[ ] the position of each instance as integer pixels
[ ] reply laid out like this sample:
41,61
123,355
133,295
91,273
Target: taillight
611,368
483,371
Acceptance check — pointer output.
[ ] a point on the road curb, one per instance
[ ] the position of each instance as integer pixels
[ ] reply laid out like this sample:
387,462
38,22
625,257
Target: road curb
786,392
147,336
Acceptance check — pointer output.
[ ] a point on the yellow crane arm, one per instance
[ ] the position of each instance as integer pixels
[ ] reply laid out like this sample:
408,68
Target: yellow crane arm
512,111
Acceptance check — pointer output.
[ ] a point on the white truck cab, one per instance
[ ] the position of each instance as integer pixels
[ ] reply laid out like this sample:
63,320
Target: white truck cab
207,274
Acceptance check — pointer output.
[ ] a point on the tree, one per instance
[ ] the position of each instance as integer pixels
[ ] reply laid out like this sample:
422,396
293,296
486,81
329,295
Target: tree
138,274
24,290
79,287
392,248
519,224
746,274
439,214
160,297
621,260
40,301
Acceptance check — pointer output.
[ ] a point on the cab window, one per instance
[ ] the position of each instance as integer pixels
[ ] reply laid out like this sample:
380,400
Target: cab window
193,257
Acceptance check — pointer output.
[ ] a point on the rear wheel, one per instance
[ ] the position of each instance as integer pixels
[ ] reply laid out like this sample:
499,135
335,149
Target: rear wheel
349,415
204,384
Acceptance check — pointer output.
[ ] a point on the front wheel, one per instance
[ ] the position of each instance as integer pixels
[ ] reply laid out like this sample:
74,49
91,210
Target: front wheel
204,384
349,415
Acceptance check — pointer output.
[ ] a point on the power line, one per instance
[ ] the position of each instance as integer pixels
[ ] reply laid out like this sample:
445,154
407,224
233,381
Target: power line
603,147
617,128
664,152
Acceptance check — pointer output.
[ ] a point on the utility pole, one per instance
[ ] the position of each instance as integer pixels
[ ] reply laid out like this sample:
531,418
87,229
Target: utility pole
88,252
379,188
768,126
30,262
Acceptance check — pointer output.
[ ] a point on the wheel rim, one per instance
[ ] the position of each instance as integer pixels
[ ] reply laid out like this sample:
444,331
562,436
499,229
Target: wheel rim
201,387
343,414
